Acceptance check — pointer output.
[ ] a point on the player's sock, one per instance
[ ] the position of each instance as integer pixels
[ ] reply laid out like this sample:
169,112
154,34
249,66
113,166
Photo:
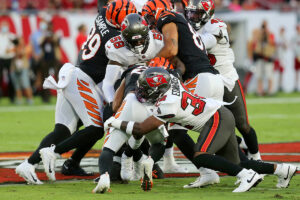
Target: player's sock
184,142
145,147
59,134
156,152
251,141
137,155
258,166
80,139
170,140
106,160
217,163
80,152
242,155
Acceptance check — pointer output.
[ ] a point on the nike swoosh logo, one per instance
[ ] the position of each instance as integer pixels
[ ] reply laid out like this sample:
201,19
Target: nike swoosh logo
50,171
249,181
287,176
65,166
33,179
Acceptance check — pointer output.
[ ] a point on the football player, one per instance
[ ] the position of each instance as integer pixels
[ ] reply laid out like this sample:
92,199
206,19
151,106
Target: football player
132,108
200,13
78,96
200,77
217,146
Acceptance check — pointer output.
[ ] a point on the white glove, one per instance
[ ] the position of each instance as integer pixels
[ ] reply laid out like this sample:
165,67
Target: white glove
107,122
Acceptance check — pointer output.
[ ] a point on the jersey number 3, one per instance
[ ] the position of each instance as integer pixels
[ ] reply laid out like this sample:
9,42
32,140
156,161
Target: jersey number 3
196,102
92,44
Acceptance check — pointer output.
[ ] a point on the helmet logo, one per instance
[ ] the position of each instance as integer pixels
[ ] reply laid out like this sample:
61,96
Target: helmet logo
205,6
136,37
124,25
144,23
156,81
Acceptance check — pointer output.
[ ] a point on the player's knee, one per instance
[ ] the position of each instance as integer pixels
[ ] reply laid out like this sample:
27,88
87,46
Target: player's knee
196,154
95,132
61,129
106,154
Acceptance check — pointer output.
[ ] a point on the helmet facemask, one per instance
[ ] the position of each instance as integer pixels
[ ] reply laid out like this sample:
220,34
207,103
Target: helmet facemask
197,17
138,44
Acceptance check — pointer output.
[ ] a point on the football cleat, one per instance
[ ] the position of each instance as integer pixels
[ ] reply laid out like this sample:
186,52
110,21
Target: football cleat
207,177
255,156
247,179
27,171
103,184
285,173
174,168
72,168
157,172
126,168
146,180
49,157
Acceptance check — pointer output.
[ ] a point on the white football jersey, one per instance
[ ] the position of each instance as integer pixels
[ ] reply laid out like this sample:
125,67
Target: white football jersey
181,107
116,50
219,52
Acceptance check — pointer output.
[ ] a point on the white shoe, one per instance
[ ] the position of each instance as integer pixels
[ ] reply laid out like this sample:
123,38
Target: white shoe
126,168
285,173
49,157
173,168
147,166
247,179
27,171
207,177
103,184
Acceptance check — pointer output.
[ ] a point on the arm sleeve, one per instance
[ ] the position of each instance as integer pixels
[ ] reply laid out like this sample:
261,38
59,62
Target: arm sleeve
112,74
209,40
165,111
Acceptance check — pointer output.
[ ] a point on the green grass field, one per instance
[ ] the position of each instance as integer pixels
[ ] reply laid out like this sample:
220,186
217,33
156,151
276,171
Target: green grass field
276,119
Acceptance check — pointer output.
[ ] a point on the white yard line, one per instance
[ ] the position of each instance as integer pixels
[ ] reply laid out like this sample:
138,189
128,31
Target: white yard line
274,100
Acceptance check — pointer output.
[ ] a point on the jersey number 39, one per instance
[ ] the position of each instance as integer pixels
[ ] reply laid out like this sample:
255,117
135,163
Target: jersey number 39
91,45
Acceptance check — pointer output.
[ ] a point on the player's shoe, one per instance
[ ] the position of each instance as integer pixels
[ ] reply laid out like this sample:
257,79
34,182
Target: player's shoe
285,173
157,172
27,171
126,168
72,168
146,180
247,179
103,184
49,157
207,177
170,166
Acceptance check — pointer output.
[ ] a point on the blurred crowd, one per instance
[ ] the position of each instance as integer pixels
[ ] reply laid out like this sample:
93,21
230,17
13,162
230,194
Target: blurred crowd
24,67
231,5
269,56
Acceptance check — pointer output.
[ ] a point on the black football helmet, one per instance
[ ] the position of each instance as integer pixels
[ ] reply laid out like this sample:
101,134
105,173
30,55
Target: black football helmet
199,12
152,84
135,33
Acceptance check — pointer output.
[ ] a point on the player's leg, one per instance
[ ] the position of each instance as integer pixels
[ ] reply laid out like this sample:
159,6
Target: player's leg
82,95
216,136
239,110
65,120
114,140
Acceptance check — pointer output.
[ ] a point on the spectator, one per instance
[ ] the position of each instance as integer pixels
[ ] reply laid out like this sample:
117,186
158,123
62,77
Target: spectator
296,42
19,72
81,37
282,47
50,57
264,50
235,6
7,53
36,60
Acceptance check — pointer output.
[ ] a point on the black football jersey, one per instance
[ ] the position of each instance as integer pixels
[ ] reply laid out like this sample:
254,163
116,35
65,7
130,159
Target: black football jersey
92,58
191,50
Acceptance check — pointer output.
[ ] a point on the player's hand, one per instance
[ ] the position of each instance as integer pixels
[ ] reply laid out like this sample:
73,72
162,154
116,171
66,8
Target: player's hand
107,123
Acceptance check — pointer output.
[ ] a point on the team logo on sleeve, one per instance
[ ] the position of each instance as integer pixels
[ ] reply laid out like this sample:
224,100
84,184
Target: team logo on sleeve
156,80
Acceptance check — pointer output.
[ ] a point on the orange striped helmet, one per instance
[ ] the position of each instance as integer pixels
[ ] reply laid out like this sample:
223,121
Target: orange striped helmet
153,8
160,62
117,10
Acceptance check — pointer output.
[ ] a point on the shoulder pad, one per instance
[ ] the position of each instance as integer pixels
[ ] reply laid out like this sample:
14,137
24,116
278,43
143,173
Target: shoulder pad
214,26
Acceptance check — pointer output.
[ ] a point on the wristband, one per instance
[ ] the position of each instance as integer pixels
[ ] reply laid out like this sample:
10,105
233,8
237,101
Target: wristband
116,123
129,127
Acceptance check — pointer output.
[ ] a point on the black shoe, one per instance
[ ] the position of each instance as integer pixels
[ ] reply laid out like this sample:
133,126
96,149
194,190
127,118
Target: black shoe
71,168
157,172
116,172
96,180
146,183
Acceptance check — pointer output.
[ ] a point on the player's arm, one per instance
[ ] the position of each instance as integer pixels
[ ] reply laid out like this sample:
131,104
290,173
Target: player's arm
170,34
118,98
112,74
136,128
178,64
